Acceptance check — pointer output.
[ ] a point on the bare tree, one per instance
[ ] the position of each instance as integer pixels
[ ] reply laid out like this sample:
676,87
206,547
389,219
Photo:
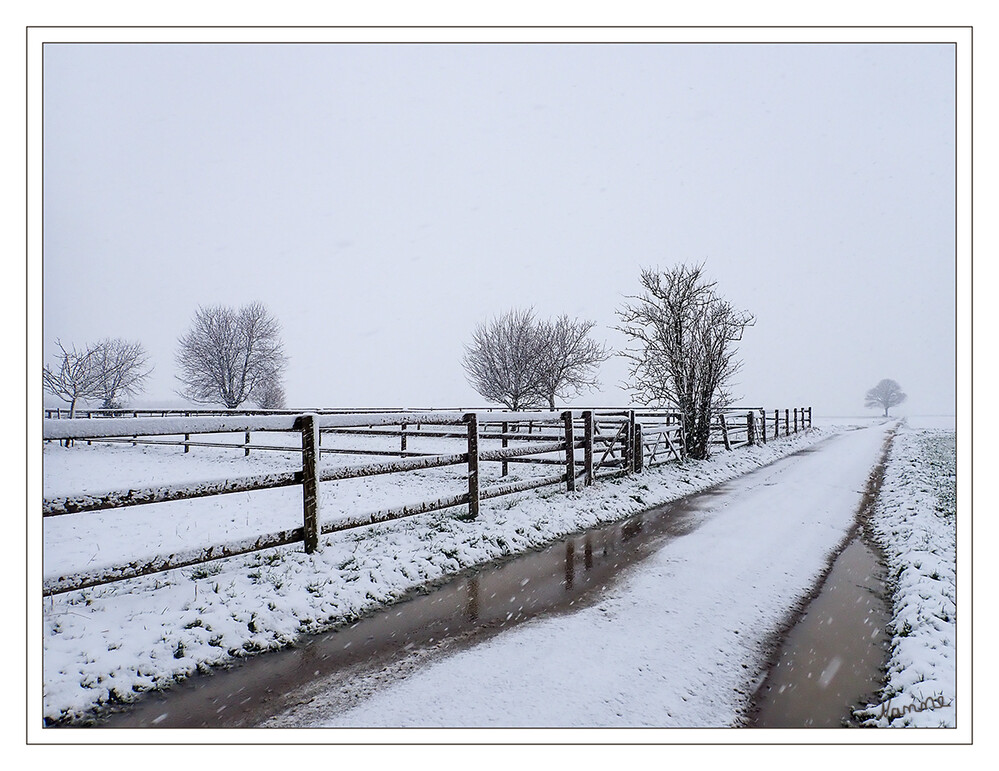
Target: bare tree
270,396
885,395
569,358
121,368
228,355
502,360
521,362
682,348
76,378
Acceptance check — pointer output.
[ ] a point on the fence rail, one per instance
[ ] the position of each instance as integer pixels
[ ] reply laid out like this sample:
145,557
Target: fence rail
588,444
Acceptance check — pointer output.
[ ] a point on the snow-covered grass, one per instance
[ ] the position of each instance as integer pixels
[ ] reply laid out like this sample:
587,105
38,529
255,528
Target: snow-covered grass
108,644
915,524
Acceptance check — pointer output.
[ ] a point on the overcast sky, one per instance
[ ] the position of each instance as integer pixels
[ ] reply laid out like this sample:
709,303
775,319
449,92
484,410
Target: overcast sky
381,200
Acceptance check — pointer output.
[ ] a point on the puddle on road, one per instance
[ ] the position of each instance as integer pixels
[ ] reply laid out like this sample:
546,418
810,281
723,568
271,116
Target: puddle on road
832,659
560,577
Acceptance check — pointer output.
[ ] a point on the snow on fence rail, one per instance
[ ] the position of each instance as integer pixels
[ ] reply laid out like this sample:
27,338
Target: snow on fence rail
613,442
64,412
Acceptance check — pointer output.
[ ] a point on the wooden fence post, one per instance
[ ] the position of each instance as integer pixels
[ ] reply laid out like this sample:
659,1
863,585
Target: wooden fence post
625,448
506,466
787,422
796,420
570,453
724,428
630,443
310,481
187,438
588,447
809,417
750,427
402,441
639,454
473,464
246,446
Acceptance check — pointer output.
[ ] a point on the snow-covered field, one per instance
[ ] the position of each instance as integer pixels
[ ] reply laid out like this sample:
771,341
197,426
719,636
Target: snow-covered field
117,537
915,523
110,643
843,422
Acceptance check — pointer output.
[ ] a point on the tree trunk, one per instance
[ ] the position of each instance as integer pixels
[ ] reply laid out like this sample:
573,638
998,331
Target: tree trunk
698,429
72,414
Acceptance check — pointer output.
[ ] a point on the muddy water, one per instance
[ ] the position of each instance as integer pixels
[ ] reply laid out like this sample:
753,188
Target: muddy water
559,578
832,660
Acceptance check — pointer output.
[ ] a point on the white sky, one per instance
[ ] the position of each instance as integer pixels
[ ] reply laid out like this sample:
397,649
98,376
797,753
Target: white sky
383,199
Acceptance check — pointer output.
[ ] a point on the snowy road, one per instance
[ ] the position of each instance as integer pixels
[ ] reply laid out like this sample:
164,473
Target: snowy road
679,640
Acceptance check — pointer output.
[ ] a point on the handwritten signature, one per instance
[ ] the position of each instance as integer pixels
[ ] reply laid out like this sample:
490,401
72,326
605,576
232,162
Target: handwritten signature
890,712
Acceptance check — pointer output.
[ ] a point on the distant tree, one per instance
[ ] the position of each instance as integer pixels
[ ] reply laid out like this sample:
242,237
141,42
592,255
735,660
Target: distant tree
885,395
121,367
501,362
682,348
270,396
229,355
76,378
569,358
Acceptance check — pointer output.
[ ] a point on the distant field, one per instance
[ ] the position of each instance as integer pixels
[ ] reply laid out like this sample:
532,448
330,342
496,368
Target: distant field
942,422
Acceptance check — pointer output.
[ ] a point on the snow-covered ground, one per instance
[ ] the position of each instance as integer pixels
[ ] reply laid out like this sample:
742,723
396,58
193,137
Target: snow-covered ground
678,641
715,592
915,524
110,643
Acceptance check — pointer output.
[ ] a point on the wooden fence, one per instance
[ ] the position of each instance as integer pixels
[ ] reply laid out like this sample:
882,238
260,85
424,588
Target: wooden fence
739,426
586,445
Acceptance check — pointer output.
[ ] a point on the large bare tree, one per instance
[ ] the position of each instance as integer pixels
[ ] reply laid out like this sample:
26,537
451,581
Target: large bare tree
519,361
885,395
122,368
569,358
76,378
228,355
682,347
501,362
